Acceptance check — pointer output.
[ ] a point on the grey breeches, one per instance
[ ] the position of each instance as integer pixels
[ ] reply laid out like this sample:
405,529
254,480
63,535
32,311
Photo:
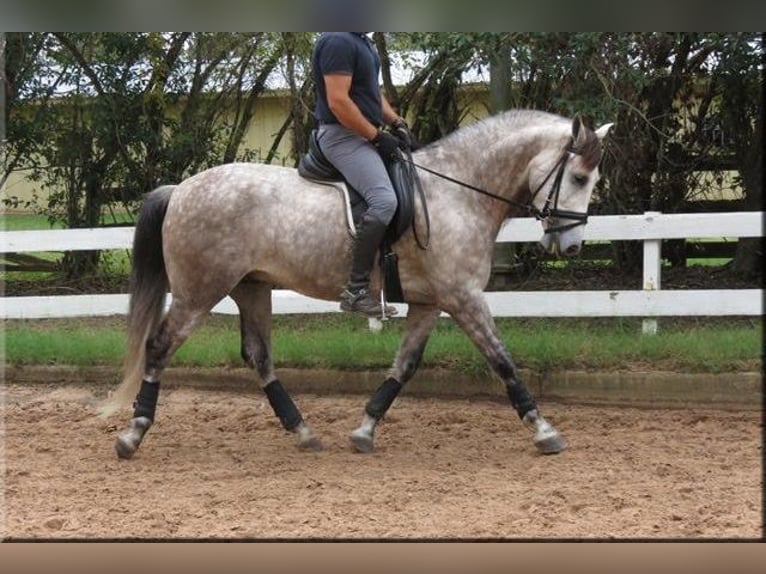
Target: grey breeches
359,162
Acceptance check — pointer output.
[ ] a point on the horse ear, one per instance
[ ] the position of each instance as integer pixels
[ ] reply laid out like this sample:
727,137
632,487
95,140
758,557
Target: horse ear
603,130
578,133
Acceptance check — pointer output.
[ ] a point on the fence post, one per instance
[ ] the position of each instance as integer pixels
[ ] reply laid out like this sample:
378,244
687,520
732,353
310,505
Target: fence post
652,270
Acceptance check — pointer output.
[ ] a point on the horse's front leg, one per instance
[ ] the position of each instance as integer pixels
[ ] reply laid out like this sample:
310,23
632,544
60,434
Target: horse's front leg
473,315
420,322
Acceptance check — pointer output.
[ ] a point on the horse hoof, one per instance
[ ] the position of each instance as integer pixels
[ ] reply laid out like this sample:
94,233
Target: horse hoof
312,444
125,447
362,441
552,444
306,438
129,440
546,438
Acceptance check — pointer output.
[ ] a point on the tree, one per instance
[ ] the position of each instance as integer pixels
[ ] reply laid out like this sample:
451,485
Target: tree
658,88
124,113
663,91
296,51
430,98
27,77
99,116
740,75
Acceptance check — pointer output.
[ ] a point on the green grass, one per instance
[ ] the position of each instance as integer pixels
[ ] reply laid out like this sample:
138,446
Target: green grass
33,221
341,342
709,262
25,221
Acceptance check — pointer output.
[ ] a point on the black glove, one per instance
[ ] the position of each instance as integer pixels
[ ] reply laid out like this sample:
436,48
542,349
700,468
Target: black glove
388,145
404,135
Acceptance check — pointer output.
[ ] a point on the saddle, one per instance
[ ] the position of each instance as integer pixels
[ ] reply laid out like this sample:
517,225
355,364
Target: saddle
314,166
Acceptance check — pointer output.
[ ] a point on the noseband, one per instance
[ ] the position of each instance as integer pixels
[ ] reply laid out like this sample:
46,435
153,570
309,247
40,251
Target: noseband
548,211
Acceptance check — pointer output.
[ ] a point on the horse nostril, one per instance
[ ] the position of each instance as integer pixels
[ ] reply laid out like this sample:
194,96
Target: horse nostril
572,250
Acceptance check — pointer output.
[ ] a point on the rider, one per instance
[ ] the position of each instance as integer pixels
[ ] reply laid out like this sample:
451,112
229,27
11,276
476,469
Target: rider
351,110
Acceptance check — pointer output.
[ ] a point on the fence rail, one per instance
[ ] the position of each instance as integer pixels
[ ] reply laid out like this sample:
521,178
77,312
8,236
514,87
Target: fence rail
648,300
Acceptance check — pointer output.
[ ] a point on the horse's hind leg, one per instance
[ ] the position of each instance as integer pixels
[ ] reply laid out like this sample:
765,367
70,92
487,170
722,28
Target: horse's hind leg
254,302
473,315
420,322
173,330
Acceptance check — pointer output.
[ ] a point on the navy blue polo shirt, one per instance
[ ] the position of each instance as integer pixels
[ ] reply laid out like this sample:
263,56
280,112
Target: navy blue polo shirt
353,54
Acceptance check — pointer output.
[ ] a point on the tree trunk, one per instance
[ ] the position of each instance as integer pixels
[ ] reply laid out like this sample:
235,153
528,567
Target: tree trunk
749,256
500,80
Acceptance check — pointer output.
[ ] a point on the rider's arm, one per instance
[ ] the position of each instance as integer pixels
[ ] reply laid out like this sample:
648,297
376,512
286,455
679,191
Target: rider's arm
337,87
389,115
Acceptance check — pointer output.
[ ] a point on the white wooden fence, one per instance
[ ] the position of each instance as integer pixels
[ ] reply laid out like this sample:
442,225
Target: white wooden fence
647,300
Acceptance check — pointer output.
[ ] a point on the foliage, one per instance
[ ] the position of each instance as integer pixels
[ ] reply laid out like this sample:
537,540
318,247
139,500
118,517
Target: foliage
98,117
111,116
685,105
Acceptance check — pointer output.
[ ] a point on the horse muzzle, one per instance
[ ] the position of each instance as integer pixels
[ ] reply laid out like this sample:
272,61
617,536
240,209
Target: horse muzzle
566,243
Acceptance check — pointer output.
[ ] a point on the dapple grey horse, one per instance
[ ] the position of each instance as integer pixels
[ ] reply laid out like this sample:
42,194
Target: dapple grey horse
239,229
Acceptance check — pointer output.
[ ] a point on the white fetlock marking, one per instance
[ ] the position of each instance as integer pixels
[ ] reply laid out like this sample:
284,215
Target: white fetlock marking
368,424
545,430
542,428
362,437
530,419
304,433
139,426
134,434
306,438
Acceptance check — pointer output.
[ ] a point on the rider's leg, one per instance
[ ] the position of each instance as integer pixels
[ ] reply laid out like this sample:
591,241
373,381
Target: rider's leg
356,296
361,165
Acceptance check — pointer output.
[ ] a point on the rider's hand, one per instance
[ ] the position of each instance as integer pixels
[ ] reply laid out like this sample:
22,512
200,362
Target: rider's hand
403,133
387,145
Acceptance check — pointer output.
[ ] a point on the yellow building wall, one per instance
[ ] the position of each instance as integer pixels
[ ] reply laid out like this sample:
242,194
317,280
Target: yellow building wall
270,113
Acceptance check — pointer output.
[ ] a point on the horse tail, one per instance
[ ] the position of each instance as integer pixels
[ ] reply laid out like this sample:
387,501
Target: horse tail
148,288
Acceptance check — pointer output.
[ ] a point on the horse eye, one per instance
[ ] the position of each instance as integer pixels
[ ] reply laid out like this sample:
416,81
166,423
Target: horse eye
580,179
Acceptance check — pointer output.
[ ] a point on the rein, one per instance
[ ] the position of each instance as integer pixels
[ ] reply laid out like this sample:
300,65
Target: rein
540,214
406,158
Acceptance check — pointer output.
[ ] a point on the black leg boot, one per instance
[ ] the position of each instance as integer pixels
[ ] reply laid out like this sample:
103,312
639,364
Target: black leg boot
356,297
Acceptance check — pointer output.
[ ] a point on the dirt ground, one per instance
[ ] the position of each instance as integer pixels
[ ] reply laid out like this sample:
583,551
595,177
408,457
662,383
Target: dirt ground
217,465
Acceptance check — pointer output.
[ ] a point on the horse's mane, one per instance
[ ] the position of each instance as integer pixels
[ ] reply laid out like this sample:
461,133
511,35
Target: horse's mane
500,125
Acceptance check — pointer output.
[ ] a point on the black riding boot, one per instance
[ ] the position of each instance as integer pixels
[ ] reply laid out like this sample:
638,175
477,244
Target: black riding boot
356,296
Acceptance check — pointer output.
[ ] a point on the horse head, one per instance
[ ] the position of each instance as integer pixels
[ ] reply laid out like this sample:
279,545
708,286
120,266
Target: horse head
562,182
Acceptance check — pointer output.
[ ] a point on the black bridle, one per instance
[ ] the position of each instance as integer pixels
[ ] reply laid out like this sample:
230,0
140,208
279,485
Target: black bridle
549,210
